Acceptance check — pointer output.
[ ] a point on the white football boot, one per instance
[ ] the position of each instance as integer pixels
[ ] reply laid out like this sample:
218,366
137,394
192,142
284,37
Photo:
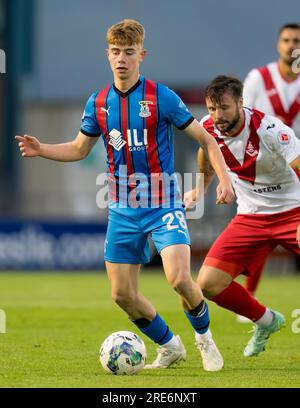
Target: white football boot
212,359
166,356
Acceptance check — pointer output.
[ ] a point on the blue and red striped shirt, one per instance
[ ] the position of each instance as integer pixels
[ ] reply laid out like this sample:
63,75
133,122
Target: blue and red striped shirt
136,128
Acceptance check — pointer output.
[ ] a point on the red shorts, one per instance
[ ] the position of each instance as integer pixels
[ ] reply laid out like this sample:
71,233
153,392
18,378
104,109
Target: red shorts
245,244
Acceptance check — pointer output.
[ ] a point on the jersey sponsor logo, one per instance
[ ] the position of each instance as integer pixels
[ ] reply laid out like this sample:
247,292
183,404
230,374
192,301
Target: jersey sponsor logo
284,138
135,143
145,111
105,110
116,139
133,140
250,150
268,189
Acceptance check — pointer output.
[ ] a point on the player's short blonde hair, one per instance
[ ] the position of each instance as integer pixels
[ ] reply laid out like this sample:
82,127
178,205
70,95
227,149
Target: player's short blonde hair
126,32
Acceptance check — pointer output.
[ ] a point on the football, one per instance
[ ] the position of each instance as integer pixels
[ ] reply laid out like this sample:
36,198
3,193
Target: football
123,353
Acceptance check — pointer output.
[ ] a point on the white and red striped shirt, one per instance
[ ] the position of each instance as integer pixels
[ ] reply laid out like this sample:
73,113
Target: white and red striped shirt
265,89
258,163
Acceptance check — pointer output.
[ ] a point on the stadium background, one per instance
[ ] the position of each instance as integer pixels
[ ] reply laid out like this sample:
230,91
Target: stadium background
55,58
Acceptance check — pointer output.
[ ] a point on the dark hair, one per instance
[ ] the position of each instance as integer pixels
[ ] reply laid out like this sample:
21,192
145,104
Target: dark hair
293,26
222,84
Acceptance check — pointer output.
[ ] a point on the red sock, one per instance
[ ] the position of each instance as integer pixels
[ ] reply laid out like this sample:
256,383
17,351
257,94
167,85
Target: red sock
252,281
237,299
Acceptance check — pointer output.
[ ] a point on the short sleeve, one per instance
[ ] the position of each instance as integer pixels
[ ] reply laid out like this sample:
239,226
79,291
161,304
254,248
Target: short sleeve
175,109
285,141
89,124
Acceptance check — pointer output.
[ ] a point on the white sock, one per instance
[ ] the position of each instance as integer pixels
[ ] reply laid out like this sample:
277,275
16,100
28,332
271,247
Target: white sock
266,319
173,343
203,337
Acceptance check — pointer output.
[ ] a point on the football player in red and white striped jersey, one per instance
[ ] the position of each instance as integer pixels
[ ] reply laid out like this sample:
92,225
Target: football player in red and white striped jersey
275,87
261,154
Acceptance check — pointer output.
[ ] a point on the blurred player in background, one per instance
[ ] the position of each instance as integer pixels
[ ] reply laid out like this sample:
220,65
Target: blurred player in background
134,117
275,89
261,154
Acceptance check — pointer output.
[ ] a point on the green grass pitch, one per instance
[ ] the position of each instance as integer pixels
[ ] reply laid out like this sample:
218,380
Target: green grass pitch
55,323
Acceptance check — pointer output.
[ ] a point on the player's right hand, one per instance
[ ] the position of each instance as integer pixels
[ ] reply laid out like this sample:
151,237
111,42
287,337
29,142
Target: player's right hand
29,146
225,193
298,235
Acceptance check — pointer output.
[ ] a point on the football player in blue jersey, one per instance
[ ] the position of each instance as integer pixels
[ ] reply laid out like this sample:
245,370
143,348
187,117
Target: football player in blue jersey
134,117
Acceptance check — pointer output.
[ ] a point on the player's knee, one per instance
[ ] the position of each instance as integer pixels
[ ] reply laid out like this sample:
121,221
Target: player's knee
181,284
122,298
209,286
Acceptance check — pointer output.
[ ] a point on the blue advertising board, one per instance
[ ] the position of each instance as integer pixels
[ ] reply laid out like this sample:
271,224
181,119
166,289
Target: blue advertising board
51,245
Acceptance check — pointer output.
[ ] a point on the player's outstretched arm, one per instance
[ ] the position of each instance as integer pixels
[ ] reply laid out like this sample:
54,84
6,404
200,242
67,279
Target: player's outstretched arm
225,192
75,150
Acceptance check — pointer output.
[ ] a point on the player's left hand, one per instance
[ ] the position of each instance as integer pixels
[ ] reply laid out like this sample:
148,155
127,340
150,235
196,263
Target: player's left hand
190,199
298,235
225,193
